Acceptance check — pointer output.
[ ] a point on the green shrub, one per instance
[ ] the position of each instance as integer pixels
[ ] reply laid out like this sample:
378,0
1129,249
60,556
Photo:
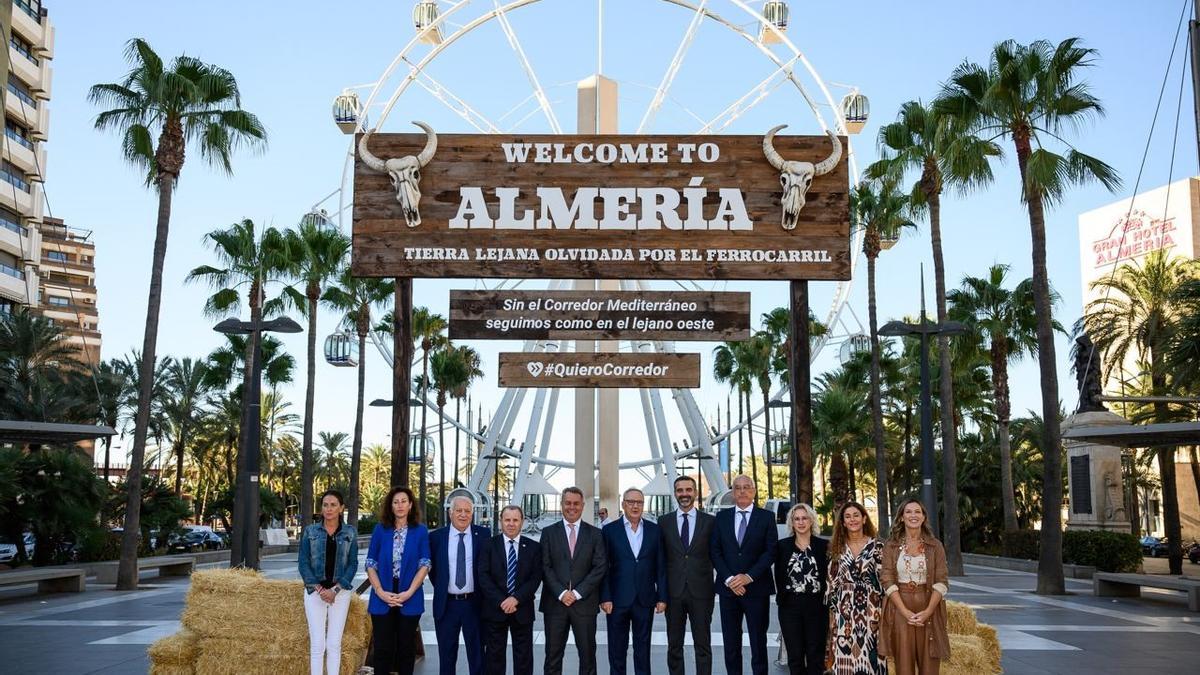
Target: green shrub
367,523
1106,551
1023,544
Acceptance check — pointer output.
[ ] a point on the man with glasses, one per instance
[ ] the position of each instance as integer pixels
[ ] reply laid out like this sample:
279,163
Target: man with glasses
690,591
636,586
742,547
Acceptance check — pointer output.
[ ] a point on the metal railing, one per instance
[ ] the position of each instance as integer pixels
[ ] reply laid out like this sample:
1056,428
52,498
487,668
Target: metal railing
25,96
17,181
16,136
12,272
9,224
23,48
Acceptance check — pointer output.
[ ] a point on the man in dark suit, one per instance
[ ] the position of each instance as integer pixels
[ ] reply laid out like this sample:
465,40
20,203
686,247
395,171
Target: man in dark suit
573,567
636,586
510,571
454,553
685,533
742,546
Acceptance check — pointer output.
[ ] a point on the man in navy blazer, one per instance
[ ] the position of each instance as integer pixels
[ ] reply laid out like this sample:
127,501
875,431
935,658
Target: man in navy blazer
454,553
510,571
636,585
742,546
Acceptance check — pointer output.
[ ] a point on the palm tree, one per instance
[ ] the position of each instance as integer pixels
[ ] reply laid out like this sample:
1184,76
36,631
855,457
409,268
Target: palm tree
187,386
1031,94
226,362
376,471
331,464
316,254
881,210
777,323
1183,357
473,372
356,296
1006,321
190,101
943,154
429,330
758,353
38,369
111,390
729,365
245,261
839,430
1138,315
450,371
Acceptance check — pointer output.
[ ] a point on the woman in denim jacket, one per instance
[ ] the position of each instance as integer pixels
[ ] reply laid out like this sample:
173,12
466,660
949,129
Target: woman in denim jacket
328,562
397,563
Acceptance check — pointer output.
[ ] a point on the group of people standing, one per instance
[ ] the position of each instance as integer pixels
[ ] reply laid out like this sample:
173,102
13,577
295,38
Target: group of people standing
844,605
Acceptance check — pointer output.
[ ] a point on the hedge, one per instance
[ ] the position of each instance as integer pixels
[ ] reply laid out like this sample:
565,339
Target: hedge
1106,551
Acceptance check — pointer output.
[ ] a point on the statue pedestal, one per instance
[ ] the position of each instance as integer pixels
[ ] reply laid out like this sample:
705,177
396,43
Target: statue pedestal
1094,478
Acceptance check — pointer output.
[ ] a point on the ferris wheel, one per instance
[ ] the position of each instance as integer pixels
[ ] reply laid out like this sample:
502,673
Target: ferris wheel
454,32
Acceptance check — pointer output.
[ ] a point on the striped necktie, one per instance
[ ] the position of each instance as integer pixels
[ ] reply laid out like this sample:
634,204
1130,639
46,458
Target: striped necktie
512,567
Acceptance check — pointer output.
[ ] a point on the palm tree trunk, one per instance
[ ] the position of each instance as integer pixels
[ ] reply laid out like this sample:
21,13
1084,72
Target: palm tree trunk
1166,470
356,448
310,389
424,435
179,460
883,496
1135,495
1195,462
741,439
441,461
750,439
457,437
127,574
767,451
107,452
1050,569
950,524
1003,411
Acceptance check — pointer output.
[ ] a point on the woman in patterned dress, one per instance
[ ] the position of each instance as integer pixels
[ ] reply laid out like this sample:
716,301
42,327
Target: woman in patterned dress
801,560
854,596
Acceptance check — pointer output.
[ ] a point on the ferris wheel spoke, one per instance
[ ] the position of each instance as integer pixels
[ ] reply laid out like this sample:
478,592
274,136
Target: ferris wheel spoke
455,103
515,43
685,44
751,98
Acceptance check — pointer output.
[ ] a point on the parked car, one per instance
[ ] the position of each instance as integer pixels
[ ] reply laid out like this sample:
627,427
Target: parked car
1154,547
197,540
1193,553
8,549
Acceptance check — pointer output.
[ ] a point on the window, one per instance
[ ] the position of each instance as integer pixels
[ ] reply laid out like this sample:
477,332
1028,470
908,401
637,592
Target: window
22,47
7,307
11,271
18,133
58,256
57,301
14,176
31,7
18,89
11,221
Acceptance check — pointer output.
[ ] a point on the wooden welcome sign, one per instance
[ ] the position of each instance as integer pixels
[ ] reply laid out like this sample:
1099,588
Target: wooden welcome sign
601,207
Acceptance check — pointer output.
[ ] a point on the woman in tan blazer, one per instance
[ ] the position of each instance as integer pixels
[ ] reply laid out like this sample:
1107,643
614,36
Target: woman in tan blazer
914,579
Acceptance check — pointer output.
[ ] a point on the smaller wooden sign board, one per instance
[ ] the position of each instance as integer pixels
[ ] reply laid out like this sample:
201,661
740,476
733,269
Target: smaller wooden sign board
599,315
601,370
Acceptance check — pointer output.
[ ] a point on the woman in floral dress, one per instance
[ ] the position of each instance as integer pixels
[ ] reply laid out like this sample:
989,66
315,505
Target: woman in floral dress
854,596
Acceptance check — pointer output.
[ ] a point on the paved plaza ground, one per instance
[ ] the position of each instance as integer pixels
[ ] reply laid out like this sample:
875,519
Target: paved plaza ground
103,631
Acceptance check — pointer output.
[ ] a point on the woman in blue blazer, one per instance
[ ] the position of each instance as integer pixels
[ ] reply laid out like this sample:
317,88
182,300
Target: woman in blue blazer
397,562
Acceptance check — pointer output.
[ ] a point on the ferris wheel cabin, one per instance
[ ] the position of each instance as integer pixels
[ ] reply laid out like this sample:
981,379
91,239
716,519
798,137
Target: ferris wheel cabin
341,350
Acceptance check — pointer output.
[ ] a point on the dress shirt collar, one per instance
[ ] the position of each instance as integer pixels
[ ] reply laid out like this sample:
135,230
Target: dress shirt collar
578,525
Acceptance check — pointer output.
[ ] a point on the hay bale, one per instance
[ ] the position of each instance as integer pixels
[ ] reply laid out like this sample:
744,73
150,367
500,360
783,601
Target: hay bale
960,618
991,643
229,656
228,609
174,654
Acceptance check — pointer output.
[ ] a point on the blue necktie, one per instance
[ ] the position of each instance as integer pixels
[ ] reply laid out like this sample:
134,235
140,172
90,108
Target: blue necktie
686,535
512,567
460,573
741,533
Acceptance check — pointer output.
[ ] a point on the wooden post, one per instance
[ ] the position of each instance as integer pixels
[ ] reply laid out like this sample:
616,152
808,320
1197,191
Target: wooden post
799,362
402,350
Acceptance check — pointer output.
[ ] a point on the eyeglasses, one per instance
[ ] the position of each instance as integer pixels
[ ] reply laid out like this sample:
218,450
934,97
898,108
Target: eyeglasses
634,503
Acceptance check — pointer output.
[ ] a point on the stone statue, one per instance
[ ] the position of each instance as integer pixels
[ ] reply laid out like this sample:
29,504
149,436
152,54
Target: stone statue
1114,500
1087,375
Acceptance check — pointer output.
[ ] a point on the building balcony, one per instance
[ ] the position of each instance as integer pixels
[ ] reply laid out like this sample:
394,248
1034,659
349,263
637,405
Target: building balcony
22,242
49,264
32,115
14,285
47,46
45,79
17,199
69,313
32,160
29,71
26,22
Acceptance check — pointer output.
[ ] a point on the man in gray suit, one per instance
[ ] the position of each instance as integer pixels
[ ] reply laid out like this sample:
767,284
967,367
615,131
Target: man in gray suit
573,566
690,591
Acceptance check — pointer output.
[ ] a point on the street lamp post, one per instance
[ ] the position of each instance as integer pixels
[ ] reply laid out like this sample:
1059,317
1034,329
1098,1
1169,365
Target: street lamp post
246,519
925,329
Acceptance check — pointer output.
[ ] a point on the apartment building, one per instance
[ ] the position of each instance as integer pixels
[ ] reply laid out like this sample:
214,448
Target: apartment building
68,285
26,96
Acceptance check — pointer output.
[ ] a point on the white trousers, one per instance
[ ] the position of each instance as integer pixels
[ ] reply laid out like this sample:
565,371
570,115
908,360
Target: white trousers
325,625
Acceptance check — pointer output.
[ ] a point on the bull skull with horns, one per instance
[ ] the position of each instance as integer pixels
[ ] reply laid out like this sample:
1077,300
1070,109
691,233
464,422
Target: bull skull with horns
405,172
796,177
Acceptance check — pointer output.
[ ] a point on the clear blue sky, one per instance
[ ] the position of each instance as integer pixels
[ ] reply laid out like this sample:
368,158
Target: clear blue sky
292,59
